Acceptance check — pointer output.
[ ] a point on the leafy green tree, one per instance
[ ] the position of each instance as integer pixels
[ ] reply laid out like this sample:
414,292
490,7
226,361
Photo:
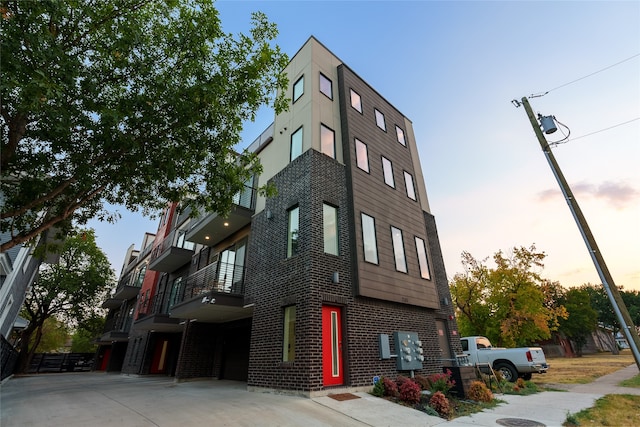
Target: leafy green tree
125,102
69,290
86,333
582,319
54,336
506,303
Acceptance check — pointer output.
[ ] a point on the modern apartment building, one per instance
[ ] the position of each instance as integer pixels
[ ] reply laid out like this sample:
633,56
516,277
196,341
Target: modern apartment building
337,279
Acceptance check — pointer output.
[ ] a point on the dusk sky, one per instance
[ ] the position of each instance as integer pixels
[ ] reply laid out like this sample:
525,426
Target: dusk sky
453,68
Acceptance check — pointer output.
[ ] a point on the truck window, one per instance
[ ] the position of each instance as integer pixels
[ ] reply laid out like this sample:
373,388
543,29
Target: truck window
465,345
482,343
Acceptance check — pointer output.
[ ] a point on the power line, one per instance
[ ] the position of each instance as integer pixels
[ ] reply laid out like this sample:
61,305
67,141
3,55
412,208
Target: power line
584,77
605,129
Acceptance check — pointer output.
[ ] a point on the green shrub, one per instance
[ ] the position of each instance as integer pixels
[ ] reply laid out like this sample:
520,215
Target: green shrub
441,382
378,388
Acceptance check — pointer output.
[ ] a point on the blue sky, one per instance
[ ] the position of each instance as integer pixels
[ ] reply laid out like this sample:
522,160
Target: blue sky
453,68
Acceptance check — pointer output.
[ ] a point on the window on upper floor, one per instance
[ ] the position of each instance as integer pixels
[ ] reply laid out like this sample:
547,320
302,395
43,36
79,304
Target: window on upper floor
296,144
400,135
356,102
293,231
330,229
326,86
398,249
298,88
289,341
369,240
408,183
327,141
362,155
387,169
380,120
423,261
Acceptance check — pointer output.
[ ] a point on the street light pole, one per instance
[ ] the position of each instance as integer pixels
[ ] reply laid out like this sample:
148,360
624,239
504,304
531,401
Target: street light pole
628,328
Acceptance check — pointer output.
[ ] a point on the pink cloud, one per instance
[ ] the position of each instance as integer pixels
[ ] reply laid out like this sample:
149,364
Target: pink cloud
618,194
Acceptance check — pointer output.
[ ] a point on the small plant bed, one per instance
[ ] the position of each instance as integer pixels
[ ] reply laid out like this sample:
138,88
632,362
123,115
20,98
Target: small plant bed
432,395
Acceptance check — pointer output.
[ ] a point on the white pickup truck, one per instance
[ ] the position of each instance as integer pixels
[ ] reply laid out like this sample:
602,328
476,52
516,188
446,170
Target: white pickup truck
510,362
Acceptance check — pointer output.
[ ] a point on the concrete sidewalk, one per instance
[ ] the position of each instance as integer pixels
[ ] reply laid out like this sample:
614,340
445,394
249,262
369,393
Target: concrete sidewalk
99,399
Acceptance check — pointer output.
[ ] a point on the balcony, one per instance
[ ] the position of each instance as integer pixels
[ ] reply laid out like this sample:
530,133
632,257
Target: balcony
154,317
116,329
111,303
210,228
125,292
214,294
172,253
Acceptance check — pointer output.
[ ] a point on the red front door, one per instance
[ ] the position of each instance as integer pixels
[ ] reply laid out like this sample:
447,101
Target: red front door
158,365
332,366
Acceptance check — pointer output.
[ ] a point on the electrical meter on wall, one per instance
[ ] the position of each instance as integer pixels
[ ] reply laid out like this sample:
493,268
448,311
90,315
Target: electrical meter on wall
409,349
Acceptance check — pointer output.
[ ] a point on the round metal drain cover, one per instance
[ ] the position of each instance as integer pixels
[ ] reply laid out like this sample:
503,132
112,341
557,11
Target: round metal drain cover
518,422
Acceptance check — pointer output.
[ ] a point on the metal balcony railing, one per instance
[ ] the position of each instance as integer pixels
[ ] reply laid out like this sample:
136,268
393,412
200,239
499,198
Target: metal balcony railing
175,239
217,277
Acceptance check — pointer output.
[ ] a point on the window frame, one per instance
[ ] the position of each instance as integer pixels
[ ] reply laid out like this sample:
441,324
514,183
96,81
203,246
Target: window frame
400,131
398,250
423,263
351,98
365,239
412,186
378,115
293,242
366,159
388,172
326,79
289,333
294,98
334,241
291,152
333,140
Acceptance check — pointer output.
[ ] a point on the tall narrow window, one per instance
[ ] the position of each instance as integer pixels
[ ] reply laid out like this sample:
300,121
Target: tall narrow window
326,86
356,102
369,239
400,135
380,120
296,144
398,249
408,182
327,141
362,156
289,342
298,88
292,234
330,229
422,259
387,169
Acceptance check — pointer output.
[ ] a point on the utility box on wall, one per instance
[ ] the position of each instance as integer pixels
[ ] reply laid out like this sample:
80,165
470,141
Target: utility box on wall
409,349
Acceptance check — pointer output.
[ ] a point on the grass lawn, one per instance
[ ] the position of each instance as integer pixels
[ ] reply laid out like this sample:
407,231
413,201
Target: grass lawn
611,410
582,370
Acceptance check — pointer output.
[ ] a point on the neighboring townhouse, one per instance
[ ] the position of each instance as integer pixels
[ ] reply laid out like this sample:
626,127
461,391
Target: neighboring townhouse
122,303
335,280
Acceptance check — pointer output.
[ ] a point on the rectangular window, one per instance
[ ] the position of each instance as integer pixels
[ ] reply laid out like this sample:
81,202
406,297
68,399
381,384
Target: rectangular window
369,239
356,102
362,156
422,259
327,141
380,120
326,86
289,342
330,229
408,182
387,168
398,249
296,144
400,135
292,234
298,88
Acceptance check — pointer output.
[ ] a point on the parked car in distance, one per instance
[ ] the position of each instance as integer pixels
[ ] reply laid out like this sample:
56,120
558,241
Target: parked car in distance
510,362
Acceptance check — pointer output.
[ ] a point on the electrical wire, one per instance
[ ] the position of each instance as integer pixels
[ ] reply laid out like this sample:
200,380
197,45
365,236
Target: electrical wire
602,130
537,95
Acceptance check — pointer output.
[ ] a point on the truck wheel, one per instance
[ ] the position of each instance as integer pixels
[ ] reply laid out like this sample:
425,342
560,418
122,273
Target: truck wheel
507,371
526,376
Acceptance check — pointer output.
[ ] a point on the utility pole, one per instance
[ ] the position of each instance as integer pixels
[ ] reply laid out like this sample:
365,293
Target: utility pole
627,326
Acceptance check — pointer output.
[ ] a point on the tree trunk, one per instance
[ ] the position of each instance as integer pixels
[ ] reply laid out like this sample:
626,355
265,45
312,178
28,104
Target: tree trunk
27,352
